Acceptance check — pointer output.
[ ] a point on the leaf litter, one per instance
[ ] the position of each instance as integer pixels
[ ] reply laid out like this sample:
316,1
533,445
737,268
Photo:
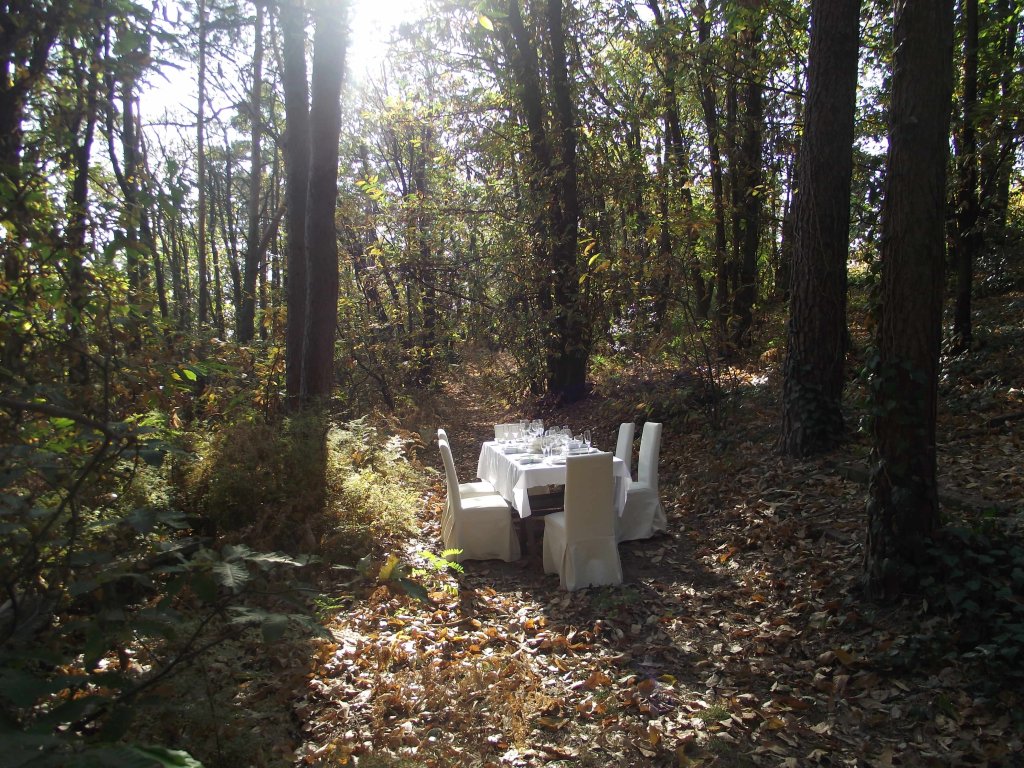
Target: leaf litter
736,639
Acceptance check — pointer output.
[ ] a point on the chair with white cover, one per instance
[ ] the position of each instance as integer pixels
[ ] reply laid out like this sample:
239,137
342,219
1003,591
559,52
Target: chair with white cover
476,488
579,543
502,431
480,526
624,445
643,515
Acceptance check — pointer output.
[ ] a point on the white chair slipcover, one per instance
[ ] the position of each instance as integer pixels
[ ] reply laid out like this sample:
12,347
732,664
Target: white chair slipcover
643,514
481,526
624,445
466,490
579,543
501,430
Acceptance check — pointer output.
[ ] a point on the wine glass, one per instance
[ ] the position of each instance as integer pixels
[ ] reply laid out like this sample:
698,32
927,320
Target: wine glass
587,439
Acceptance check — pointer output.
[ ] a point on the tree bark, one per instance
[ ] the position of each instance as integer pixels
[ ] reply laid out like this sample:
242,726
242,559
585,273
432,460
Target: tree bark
812,390
567,371
903,507
749,193
329,45
296,164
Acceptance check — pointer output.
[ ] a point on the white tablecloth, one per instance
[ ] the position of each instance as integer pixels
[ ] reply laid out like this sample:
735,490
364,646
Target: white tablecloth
512,479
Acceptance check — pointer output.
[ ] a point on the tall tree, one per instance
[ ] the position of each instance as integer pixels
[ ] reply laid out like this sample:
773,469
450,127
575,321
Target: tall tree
321,240
812,418
747,181
553,179
296,165
903,508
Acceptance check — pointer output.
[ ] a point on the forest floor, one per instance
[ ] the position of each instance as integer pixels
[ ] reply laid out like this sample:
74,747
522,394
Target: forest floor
738,638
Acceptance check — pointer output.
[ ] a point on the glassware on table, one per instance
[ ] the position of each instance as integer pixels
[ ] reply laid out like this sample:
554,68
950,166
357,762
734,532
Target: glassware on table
587,439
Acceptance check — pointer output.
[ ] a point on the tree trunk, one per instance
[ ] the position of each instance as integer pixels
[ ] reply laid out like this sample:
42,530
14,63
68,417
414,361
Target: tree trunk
253,256
903,508
329,45
749,194
567,370
296,164
812,390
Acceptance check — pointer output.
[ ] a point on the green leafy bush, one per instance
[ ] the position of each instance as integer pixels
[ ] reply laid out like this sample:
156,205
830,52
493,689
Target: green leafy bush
372,493
973,584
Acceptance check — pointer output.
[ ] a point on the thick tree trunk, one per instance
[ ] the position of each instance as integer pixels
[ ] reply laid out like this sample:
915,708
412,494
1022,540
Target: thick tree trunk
296,168
567,369
903,509
812,418
329,46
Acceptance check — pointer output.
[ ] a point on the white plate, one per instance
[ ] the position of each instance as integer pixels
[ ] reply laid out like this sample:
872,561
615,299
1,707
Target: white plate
557,459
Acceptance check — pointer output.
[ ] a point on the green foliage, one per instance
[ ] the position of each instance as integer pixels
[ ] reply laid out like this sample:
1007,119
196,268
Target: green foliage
372,492
260,480
98,567
414,580
973,582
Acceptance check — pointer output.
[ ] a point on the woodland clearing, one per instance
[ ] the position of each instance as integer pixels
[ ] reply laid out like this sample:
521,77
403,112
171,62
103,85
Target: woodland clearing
737,639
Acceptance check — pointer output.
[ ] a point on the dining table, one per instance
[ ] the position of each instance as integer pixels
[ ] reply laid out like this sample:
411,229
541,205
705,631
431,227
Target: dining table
514,471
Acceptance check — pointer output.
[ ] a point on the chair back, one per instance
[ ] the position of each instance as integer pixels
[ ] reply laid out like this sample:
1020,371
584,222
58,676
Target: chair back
650,446
624,445
442,436
589,497
454,499
501,431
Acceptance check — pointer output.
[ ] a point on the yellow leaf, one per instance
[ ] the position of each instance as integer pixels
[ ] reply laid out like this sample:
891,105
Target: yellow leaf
388,567
485,22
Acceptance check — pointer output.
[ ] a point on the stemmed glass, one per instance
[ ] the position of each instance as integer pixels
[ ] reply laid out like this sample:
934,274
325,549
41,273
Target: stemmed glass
587,439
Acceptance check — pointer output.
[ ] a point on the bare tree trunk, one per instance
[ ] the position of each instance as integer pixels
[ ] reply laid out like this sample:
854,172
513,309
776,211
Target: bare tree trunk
749,193
903,509
812,417
329,46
